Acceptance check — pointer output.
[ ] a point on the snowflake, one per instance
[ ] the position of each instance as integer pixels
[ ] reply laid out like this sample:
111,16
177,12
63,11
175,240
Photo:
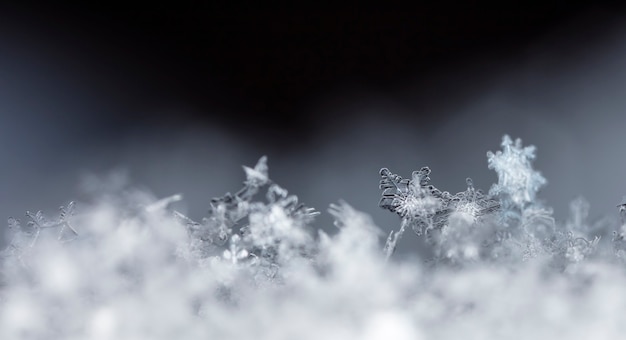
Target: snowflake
517,180
425,208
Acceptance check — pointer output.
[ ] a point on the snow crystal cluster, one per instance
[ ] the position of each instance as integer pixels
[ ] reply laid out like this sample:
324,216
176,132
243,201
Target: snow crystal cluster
130,267
507,225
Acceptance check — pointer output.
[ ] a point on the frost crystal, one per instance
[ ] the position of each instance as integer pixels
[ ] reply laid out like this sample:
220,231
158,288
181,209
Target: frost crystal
425,208
504,226
26,236
130,267
267,234
517,180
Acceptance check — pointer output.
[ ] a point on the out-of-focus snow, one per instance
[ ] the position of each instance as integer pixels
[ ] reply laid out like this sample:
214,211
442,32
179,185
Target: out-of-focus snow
254,268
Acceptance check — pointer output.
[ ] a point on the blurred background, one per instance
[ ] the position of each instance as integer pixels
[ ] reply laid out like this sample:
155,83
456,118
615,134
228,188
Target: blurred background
177,96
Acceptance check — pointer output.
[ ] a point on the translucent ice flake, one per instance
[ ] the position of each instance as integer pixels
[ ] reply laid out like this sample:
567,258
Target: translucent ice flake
518,182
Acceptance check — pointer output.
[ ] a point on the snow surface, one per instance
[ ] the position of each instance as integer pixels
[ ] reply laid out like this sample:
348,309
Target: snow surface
128,266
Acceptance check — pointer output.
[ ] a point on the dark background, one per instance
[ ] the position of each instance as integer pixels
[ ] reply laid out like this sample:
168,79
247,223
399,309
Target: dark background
178,94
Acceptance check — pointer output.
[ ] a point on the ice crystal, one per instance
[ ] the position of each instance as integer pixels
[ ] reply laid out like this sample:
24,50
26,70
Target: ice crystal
26,236
505,226
239,228
518,182
236,251
131,267
425,208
